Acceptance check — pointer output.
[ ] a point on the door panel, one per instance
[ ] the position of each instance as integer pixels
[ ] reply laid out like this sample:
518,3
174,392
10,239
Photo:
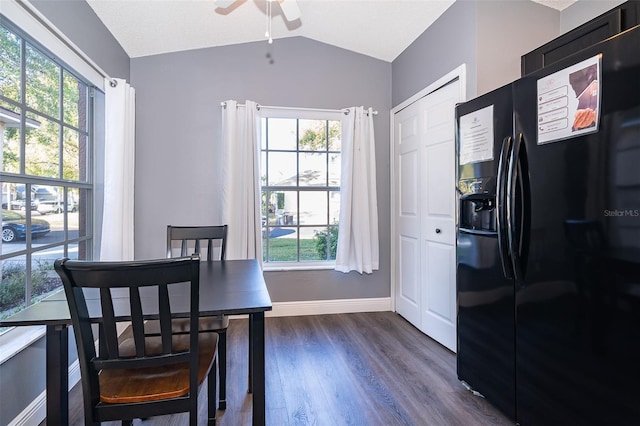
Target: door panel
408,185
439,297
410,279
407,273
424,212
438,216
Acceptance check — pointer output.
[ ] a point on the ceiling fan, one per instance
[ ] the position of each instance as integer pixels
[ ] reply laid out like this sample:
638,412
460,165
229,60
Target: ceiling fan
290,9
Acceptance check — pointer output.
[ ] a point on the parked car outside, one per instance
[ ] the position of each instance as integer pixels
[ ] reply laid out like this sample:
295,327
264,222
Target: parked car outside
14,227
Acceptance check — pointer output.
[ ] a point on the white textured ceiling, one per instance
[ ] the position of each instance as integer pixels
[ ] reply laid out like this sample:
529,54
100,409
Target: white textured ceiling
378,28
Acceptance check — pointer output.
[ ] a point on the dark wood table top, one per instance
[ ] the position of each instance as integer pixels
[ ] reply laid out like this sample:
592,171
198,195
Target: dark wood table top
230,287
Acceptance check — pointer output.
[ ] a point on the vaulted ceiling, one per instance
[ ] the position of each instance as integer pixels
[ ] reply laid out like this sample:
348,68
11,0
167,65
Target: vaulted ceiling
378,28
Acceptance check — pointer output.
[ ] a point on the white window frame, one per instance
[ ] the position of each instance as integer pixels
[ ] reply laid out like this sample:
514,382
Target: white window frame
300,114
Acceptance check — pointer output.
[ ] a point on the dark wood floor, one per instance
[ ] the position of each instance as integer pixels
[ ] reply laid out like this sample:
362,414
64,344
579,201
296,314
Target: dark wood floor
347,369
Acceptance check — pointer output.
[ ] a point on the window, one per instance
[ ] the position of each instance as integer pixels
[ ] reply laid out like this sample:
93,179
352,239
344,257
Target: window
300,175
45,134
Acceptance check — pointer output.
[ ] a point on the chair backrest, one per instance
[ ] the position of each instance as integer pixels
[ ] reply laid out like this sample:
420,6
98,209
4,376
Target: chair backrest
190,237
113,293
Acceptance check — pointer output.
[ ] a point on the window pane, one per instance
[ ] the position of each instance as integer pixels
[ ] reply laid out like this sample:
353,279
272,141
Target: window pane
263,133
281,133
335,136
12,286
72,213
9,64
313,207
282,245
73,154
14,231
313,244
75,101
45,280
280,207
334,207
335,169
43,83
333,242
82,200
11,143
282,169
313,135
313,169
42,148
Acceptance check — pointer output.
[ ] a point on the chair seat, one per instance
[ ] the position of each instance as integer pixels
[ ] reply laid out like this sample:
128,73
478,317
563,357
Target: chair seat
155,383
181,325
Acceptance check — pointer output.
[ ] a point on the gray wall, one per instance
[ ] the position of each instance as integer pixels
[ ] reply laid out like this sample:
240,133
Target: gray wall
445,45
80,24
488,36
506,31
178,99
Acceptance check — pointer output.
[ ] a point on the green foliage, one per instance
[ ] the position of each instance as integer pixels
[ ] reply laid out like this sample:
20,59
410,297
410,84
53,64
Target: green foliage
323,239
314,137
12,287
43,93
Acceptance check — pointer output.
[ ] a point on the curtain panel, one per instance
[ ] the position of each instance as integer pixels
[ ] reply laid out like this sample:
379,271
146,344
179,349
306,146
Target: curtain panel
241,180
358,246
117,217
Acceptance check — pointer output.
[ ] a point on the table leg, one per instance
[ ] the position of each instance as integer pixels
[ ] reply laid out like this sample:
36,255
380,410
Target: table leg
256,329
57,344
250,356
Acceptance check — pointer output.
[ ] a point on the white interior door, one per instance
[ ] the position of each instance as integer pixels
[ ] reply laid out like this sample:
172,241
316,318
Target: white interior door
407,211
438,216
424,213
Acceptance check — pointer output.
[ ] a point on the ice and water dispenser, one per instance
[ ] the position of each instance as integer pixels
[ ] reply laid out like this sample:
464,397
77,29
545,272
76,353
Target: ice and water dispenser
477,206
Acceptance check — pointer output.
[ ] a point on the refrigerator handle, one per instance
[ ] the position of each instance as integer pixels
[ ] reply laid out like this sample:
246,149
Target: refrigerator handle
501,214
513,238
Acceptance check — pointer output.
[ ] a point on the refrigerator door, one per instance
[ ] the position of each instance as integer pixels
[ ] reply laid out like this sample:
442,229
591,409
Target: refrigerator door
485,296
578,289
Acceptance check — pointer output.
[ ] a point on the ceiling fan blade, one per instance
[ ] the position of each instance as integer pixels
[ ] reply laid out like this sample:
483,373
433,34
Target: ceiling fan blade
290,9
223,4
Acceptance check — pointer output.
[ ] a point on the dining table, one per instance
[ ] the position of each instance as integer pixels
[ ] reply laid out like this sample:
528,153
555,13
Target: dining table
227,287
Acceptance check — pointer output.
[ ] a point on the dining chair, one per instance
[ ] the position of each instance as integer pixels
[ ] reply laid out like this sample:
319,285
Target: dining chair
189,239
139,376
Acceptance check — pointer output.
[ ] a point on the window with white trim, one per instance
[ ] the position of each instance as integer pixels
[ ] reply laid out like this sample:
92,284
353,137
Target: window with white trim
300,178
46,122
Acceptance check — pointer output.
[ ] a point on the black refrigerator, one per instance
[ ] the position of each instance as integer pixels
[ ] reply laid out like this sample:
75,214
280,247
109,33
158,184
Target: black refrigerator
548,244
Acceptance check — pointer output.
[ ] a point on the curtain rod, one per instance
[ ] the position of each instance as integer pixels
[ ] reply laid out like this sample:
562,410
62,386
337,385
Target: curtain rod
223,104
26,5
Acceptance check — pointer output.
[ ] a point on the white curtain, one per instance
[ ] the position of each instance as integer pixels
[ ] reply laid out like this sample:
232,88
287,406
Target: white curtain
241,180
117,217
358,229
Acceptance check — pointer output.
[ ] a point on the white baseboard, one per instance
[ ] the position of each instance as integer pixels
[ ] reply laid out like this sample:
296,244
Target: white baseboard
336,306
36,412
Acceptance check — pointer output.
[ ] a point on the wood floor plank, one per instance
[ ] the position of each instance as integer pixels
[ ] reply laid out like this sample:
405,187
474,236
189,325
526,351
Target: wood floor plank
346,369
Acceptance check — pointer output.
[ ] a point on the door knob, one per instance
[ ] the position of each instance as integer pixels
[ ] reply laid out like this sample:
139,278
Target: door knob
438,230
